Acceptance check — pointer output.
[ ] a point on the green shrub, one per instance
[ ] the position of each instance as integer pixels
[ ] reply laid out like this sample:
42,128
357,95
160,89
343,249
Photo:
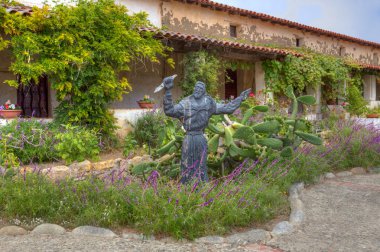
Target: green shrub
29,141
76,144
129,144
357,105
150,129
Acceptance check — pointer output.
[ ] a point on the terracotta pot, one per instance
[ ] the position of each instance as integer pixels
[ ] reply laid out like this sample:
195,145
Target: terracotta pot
372,115
10,113
145,105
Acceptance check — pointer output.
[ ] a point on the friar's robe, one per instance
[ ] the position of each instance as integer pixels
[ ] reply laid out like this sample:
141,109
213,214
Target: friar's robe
195,115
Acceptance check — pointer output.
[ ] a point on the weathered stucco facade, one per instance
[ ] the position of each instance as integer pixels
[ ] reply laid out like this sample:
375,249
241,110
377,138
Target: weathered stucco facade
195,19
202,20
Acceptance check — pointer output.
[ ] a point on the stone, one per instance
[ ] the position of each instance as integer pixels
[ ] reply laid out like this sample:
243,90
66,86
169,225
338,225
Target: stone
133,236
13,230
49,229
58,172
330,175
93,231
117,163
296,204
140,159
344,174
84,166
374,170
211,239
281,228
103,165
358,170
296,188
252,236
296,217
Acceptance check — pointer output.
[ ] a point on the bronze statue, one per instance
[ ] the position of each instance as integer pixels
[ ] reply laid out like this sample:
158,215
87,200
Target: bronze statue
195,112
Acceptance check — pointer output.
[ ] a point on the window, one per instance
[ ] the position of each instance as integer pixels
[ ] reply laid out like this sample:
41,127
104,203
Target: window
342,51
233,31
378,90
299,42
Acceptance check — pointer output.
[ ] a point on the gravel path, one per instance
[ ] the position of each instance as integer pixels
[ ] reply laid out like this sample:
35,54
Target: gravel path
341,215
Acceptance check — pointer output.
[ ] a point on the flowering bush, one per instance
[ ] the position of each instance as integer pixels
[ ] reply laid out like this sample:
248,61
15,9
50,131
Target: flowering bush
147,99
10,106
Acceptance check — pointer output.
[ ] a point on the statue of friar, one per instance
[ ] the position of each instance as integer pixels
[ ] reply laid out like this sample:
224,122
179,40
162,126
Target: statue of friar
195,111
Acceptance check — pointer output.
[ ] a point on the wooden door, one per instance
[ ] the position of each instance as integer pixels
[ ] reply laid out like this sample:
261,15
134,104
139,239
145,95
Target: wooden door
33,98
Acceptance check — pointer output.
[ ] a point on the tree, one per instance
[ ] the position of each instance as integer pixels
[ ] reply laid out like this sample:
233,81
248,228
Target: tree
83,48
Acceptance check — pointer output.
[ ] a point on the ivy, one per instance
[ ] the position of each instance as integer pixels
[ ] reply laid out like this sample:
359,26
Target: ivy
201,66
83,48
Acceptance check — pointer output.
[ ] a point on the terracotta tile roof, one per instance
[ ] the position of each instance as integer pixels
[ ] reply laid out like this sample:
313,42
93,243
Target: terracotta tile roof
231,44
24,10
219,42
275,20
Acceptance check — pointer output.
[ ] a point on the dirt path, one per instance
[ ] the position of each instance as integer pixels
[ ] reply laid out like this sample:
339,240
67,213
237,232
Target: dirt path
341,215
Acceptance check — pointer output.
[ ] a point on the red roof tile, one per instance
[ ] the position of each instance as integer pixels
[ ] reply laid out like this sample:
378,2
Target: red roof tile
219,42
232,44
280,21
24,10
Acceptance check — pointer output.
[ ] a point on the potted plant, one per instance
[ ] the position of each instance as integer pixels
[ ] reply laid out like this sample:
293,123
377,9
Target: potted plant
373,113
146,102
9,110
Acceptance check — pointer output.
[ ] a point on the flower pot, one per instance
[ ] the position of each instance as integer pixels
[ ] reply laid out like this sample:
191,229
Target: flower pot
145,105
10,113
372,115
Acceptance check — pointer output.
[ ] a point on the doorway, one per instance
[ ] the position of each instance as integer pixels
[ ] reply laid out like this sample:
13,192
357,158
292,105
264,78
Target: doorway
33,98
230,87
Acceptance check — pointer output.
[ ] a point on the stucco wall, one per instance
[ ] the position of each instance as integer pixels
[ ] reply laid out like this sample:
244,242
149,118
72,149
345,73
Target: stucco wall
145,78
152,7
6,92
194,19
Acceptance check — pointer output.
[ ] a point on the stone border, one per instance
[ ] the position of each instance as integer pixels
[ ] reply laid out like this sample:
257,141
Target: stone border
297,216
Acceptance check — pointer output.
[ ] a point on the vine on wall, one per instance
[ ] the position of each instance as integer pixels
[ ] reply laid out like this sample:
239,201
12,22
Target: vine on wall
83,49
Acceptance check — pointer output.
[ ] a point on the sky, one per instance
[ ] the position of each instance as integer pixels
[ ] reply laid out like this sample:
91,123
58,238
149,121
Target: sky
357,18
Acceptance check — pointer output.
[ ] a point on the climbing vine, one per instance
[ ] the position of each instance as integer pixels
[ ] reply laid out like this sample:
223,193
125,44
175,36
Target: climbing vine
83,48
201,66
206,67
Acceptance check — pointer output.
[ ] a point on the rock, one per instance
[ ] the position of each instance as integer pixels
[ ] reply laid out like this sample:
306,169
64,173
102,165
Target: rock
296,217
49,229
140,159
344,174
211,239
117,163
296,204
13,230
81,167
358,170
58,172
133,236
374,170
252,236
296,188
330,175
281,228
93,231
104,165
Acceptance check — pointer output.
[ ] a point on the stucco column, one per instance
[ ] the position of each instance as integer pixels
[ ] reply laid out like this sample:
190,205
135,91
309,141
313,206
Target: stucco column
370,87
260,80
317,93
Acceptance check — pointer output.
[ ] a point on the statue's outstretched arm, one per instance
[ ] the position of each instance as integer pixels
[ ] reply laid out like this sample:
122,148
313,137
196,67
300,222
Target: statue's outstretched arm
233,105
171,109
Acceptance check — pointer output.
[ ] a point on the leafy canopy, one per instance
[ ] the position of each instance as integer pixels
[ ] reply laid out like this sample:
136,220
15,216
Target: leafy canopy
83,48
